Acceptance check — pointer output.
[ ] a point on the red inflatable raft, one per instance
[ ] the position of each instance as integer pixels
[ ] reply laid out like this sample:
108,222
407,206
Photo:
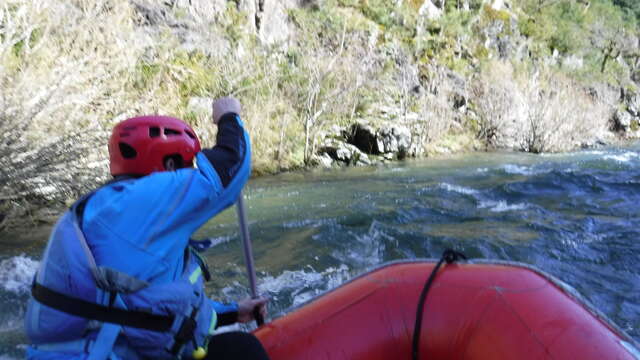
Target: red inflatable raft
472,311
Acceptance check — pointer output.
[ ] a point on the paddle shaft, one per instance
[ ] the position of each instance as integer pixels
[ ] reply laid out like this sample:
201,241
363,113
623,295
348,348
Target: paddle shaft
248,255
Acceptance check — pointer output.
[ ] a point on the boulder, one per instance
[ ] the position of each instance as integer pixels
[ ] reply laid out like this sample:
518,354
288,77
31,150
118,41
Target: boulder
632,101
344,153
622,121
392,138
322,160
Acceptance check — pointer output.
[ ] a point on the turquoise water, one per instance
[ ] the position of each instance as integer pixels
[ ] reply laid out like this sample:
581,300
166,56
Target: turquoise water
575,216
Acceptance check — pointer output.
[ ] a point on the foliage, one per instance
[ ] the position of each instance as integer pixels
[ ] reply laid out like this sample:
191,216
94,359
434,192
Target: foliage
77,67
536,112
330,72
631,8
595,30
490,14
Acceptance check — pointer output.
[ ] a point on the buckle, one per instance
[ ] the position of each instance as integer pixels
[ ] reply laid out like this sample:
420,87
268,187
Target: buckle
185,333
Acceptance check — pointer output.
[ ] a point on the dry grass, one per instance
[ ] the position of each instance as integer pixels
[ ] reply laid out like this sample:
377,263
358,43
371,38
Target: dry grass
69,70
436,108
535,112
58,88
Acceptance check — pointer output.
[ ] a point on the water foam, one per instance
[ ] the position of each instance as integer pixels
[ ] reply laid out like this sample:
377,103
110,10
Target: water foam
10,325
220,240
308,223
501,206
368,248
517,169
16,274
458,189
623,158
303,285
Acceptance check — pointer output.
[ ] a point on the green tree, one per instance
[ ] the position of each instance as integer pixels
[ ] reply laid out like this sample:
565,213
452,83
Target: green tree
610,32
629,7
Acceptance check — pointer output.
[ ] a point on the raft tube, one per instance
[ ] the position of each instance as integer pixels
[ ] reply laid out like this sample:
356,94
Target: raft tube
472,311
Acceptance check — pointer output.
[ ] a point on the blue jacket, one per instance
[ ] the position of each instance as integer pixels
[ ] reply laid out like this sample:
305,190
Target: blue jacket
126,246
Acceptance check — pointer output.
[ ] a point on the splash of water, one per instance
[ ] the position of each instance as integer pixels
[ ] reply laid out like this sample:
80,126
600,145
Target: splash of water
16,274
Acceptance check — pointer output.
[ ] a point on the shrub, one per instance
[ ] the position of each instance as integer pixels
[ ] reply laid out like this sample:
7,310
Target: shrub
66,70
535,112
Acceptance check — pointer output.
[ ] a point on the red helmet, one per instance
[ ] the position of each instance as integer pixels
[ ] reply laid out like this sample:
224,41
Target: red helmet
140,145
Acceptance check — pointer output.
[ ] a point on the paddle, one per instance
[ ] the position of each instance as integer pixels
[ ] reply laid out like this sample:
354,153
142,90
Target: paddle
248,256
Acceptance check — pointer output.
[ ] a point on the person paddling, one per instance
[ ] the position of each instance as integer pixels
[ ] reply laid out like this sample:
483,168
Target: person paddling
120,277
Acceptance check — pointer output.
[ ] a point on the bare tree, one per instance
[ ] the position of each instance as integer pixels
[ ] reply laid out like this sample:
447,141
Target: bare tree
435,107
611,38
329,83
494,94
535,112
58,87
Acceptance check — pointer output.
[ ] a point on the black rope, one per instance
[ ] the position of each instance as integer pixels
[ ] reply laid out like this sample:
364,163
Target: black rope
449,256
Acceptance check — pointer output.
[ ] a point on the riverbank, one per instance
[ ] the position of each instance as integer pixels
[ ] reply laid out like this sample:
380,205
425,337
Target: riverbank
40,217
322,83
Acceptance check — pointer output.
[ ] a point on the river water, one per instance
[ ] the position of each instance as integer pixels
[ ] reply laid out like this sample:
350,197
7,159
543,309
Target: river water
575,216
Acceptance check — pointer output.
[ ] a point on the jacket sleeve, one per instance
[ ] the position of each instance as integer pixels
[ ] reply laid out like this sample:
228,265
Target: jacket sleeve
231,147
227,313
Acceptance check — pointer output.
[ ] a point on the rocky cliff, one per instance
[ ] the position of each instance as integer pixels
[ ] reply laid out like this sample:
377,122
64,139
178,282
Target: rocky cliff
323,82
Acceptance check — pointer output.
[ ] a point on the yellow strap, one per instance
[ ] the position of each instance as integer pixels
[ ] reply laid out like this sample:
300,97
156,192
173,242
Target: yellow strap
214,322
195,275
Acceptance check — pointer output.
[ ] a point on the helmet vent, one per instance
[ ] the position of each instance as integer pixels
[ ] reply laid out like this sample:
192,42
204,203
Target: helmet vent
171,132
154,131
127,151
189,134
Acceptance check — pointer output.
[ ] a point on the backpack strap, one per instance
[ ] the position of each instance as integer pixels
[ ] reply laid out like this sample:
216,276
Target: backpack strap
91,310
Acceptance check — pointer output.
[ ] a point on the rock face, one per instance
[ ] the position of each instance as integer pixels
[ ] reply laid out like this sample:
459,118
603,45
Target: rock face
365,144
364,137
268,19
273,21
388,138
394,139
622,121
184,19
626,120
632,100
201,9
